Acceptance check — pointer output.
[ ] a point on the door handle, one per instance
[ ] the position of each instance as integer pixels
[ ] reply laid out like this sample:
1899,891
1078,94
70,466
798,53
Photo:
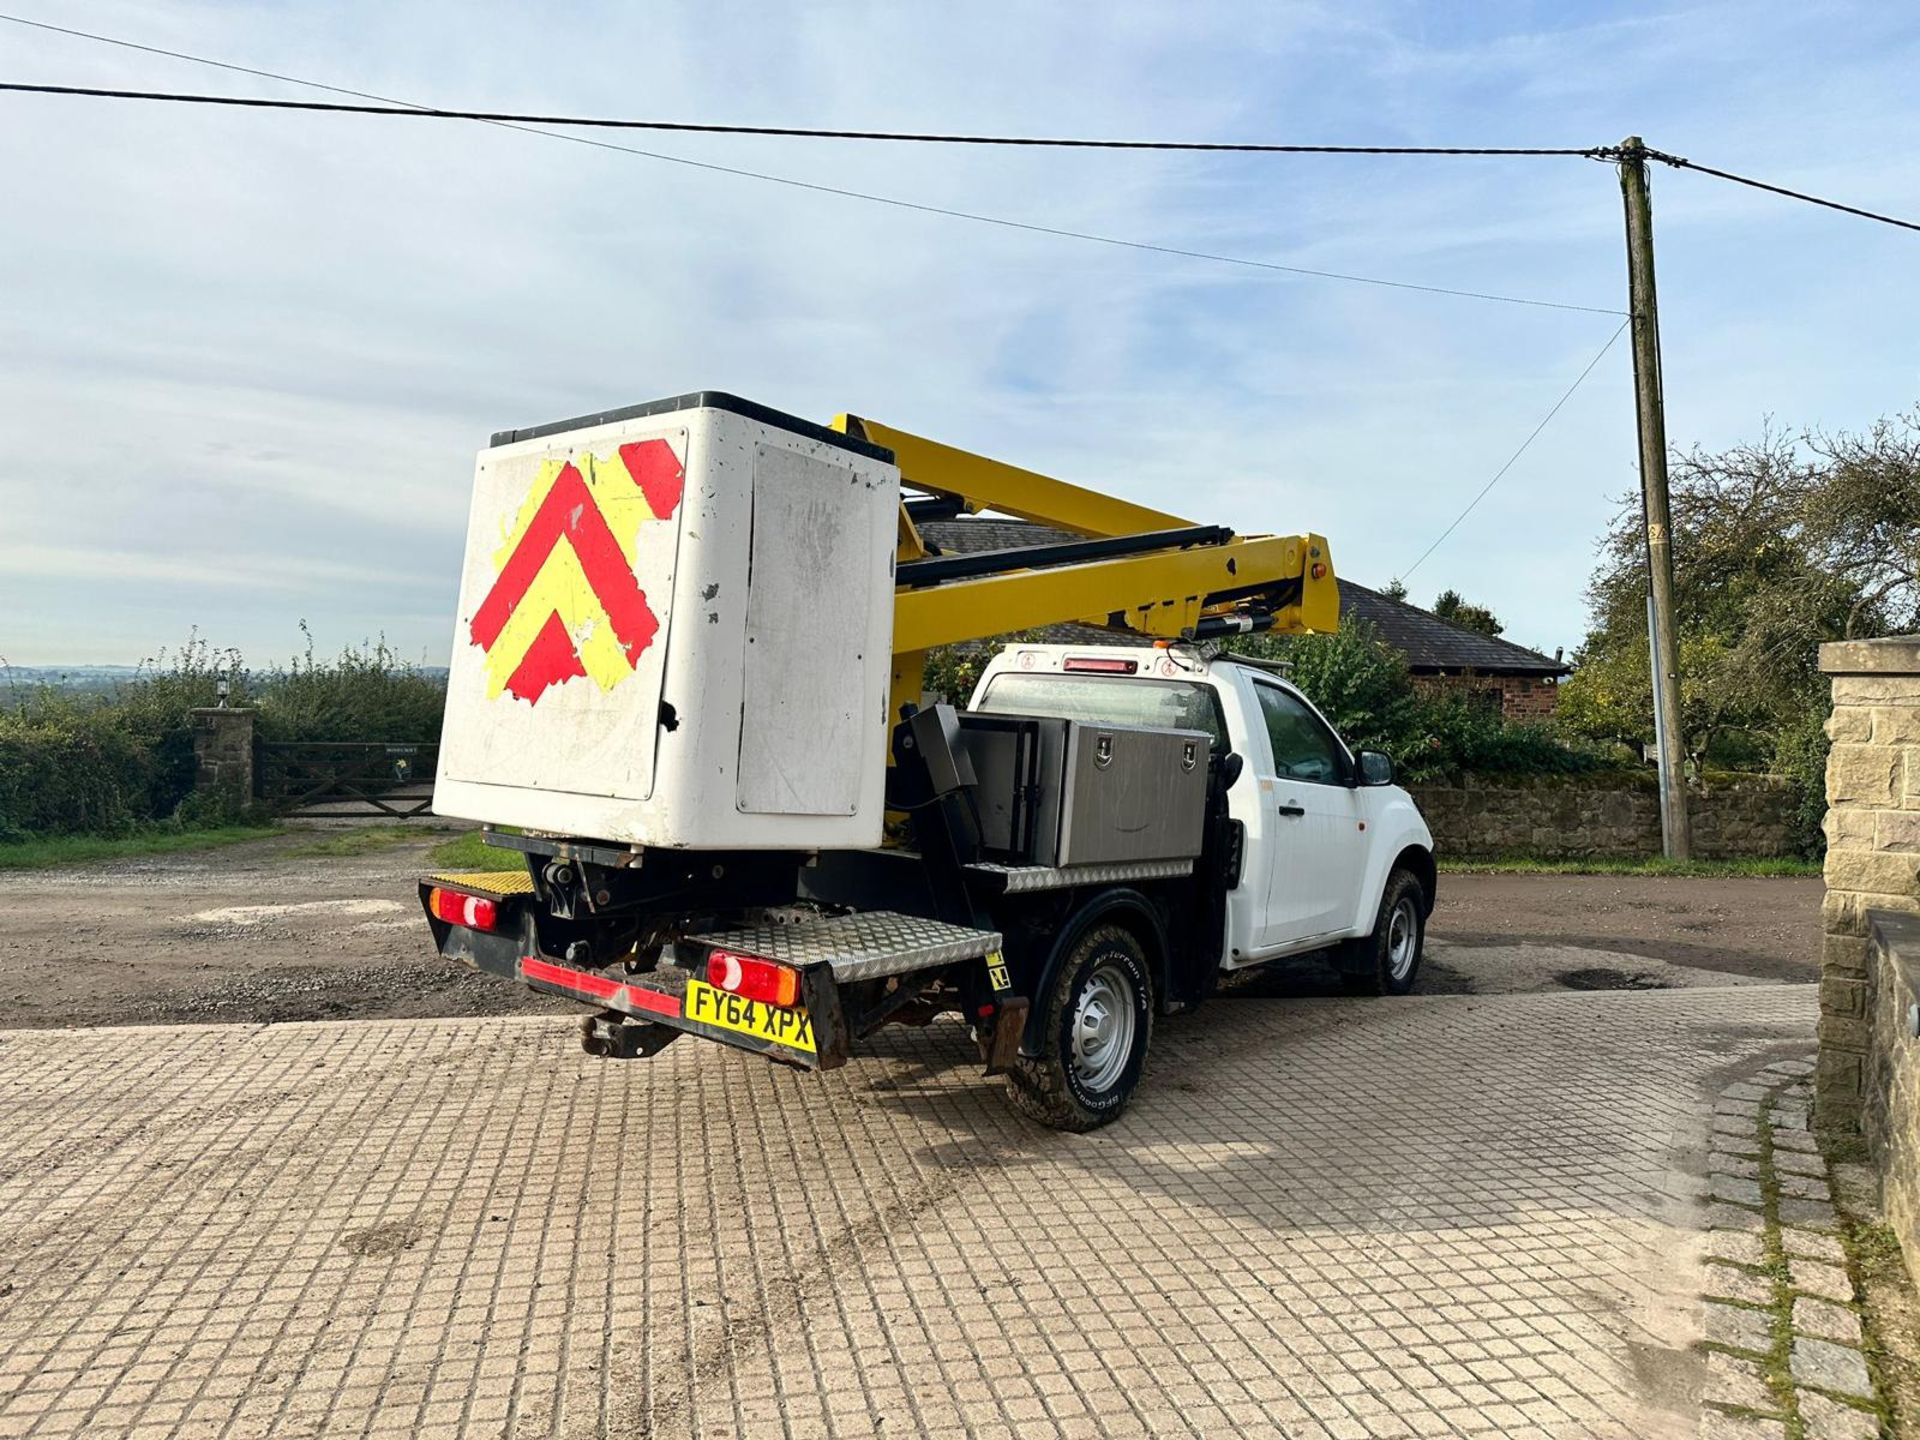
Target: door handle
1294,810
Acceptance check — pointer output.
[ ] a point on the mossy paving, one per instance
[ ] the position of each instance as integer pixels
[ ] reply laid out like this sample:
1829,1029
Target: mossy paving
1764,1286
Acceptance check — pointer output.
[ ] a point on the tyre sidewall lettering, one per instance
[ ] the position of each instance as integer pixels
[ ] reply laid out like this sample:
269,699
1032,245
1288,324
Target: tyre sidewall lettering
1109,952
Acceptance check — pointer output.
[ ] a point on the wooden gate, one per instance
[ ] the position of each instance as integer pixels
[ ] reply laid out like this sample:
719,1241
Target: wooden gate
345,778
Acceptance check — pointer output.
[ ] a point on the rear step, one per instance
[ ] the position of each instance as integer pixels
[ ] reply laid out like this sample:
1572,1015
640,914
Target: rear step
492,884
857,947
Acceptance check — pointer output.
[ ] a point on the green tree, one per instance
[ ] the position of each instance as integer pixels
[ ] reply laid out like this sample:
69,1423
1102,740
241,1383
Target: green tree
1778,545
1456,609
1363,686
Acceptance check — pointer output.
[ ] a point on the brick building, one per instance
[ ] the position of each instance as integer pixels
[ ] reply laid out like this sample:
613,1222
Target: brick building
1519,683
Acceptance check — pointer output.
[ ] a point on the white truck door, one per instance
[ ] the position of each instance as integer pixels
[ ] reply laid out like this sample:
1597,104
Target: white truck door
1318,858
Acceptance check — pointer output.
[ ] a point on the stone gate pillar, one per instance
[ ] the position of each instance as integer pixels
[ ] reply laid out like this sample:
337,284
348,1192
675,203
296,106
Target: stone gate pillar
1873,848
223,752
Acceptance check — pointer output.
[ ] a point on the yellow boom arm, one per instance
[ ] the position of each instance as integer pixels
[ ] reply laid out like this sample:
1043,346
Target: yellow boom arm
1140,571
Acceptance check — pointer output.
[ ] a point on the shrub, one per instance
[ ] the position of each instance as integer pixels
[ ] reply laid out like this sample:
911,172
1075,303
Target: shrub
1362,685
364,694
953,670
72,772
1800,754
1462,737
107,764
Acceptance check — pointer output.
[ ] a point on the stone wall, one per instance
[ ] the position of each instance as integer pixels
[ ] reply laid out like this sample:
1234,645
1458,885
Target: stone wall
1873,850
1605,817
1891,1104
223,753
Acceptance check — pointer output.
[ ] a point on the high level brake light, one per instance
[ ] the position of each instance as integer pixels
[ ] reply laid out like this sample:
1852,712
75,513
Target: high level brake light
752,978
471,911
1100,665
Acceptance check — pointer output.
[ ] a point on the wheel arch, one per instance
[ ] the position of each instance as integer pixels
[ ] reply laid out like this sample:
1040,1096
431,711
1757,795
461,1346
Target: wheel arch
1121,906
1419,860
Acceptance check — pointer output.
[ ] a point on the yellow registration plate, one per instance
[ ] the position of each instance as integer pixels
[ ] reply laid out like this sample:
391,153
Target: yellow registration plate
709,1006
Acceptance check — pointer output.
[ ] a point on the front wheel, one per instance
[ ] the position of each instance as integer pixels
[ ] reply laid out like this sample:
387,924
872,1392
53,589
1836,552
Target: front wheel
1095,1022
1386,962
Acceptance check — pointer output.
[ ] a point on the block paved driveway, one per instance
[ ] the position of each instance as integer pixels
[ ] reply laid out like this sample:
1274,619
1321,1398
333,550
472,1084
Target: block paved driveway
1435,1216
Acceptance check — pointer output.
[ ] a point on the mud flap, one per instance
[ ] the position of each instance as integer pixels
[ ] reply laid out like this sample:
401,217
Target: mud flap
1003,1046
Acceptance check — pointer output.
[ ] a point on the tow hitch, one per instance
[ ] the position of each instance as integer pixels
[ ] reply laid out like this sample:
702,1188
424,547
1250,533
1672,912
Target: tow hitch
612,1036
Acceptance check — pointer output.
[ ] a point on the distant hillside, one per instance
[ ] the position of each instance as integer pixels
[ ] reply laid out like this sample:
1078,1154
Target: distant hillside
101,679
89,678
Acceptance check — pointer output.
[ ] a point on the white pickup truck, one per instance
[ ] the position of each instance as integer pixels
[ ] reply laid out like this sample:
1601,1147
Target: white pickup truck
1325,852
685,668
1333,850
1308,847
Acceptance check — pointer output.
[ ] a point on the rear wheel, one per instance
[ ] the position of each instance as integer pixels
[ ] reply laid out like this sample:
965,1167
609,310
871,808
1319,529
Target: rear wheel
1387,961
1095,1022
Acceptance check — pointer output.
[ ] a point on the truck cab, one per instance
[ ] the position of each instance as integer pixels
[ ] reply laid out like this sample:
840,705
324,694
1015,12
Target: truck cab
1321,828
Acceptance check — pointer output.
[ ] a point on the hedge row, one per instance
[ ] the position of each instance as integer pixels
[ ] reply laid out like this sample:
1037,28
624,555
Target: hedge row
107,764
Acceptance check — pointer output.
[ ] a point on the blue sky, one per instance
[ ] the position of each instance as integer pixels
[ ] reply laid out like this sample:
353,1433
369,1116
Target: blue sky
246,359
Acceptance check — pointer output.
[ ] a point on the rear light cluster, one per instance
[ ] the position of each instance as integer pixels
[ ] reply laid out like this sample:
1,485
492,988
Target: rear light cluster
472,911
752,978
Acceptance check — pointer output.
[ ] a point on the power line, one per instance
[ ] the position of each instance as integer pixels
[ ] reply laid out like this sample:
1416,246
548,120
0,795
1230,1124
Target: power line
528,122
1524,444
1590,153
197,59
1681,164
795,132
948,212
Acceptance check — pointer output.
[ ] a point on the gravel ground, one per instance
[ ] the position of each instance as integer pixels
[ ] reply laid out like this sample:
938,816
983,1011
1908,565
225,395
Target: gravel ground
261,933
254,932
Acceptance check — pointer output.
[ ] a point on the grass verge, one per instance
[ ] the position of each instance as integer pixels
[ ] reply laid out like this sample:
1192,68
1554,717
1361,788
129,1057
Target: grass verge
79,849
363,840
470,852
1649,865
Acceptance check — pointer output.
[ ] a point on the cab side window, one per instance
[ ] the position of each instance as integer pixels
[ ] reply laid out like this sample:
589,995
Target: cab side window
1303,748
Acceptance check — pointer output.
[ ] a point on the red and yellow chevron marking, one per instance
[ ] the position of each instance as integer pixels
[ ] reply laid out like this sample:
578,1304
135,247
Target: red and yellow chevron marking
566,603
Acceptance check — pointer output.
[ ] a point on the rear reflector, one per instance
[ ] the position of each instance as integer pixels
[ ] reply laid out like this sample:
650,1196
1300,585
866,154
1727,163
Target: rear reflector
604,988
1100,665
471,911
752,978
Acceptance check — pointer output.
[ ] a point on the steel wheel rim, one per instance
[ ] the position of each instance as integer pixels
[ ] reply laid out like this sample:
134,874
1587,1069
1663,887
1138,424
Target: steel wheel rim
1403,936
1103,1026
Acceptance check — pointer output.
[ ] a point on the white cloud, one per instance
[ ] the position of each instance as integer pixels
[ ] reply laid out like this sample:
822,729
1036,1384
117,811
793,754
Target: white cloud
278,340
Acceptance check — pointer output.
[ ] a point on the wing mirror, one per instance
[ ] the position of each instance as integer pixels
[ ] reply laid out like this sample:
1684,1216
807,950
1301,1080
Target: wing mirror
1231,764
1376,768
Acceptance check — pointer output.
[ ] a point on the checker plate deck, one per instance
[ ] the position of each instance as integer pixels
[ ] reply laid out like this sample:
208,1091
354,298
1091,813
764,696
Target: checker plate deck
500,883
859,947
1022,878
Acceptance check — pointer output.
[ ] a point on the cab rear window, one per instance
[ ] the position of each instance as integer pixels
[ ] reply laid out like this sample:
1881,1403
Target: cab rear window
1109,700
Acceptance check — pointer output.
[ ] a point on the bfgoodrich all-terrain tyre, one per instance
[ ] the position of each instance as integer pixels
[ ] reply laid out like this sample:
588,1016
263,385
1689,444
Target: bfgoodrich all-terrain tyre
1095,1021
1386,962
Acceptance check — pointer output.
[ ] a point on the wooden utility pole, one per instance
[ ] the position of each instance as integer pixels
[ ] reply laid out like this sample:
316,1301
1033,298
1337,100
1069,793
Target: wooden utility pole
1676,830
